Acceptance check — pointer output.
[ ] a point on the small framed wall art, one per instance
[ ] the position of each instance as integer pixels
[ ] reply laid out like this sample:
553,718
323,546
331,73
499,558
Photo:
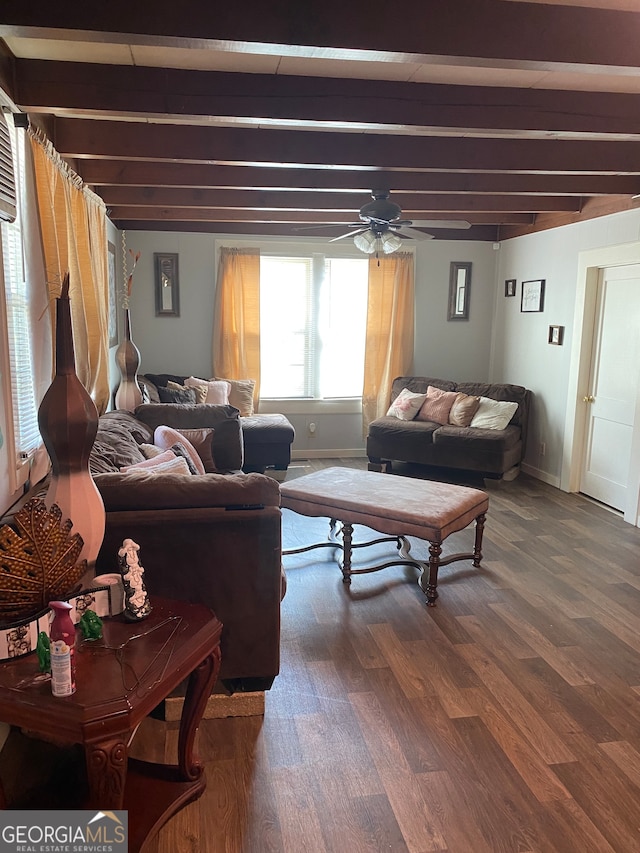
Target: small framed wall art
532,296
556,335
510,287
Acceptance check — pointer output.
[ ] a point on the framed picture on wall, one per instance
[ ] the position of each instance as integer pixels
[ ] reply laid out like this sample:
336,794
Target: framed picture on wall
556,335
113,304
510,287
532,296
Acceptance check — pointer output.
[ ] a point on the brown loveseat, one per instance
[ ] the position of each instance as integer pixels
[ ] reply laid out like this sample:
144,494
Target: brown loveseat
489,452
209,538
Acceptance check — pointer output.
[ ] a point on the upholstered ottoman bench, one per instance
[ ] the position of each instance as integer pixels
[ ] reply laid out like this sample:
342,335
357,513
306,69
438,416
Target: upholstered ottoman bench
267,442
398,506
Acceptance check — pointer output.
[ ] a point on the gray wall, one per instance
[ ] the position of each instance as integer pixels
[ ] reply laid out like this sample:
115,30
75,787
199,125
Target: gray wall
182,345
521,352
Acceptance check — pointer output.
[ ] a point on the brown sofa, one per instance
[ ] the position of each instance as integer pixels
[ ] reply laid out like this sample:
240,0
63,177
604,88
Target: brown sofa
488,452
211,538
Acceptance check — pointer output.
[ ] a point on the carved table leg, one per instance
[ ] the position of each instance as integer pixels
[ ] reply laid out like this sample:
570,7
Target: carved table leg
477,548
347,538
430,588
106,763
199,688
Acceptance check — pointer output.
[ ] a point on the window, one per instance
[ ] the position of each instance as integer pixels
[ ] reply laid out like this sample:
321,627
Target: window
25,414
313,313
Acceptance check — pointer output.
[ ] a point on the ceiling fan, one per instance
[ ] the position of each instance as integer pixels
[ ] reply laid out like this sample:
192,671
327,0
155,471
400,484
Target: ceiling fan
381,229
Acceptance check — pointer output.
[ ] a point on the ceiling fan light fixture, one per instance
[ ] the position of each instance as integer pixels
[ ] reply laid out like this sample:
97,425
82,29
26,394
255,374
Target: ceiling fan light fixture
390,242
366,242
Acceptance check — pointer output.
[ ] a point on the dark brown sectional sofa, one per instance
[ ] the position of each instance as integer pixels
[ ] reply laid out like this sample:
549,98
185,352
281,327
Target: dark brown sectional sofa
212,539
487,452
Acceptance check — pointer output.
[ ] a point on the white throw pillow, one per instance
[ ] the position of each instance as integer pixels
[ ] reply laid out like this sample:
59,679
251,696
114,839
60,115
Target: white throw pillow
406,405
217,390
493,414
170,465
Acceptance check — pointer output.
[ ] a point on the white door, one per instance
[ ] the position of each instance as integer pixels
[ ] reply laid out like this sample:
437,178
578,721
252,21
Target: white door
610,401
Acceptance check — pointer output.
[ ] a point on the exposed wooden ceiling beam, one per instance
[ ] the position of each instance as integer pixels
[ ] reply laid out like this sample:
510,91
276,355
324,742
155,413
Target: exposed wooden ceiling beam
83,138
69,88
197,214
123,173
234,229
521,34
261,203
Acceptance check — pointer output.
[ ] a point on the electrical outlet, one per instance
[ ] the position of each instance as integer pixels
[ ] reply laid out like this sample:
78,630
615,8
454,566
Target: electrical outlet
543,448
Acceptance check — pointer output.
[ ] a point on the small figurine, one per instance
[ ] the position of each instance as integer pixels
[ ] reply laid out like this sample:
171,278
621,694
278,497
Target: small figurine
91,625
136,600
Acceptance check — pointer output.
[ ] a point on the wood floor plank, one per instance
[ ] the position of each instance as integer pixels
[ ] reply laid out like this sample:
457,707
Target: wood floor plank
408,677
602,793
419,827
533,727
538,777
544,647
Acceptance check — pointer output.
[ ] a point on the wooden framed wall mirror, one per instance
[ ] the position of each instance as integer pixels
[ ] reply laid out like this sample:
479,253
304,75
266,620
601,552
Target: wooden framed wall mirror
167,285
459,287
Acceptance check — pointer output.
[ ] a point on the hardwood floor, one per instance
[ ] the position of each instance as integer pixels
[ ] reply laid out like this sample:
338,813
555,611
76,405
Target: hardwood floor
505,719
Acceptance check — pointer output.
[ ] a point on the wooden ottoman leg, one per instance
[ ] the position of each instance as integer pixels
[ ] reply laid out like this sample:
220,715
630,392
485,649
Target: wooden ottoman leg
430,588
477,548
347,538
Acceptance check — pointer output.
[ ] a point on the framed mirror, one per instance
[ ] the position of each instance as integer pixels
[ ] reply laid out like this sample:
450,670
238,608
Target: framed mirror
459,287
167,285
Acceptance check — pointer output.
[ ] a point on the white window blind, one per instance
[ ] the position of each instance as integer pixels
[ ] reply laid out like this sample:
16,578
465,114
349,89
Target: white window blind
312,326
7,177
25,413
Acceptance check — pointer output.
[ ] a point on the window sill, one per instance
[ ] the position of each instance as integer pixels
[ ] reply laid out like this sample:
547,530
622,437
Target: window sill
348,406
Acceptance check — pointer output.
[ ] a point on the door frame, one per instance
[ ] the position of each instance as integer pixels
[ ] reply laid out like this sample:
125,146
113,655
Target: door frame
589,265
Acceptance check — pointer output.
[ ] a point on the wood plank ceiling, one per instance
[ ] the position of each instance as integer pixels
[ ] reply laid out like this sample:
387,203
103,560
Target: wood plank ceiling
263,118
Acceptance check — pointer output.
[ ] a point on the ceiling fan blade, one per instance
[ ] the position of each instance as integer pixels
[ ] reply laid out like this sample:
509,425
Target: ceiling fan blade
413,234
348,234
461,224
327,226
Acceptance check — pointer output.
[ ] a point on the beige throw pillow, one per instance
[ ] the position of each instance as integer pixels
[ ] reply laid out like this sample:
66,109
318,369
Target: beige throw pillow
241,395
437,406
464,408
201,391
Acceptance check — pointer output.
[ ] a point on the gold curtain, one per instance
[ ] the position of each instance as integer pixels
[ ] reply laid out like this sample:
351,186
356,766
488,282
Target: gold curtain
390,331
74,236
236,322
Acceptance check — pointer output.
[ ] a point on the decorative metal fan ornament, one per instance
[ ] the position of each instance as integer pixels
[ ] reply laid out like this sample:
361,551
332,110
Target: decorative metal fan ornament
38,560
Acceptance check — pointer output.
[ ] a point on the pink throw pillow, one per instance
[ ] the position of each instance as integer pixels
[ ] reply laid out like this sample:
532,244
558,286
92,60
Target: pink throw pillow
437,406
217,389
164,456
165,436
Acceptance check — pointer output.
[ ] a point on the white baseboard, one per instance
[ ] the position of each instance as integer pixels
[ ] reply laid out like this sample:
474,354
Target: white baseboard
349,453
551,479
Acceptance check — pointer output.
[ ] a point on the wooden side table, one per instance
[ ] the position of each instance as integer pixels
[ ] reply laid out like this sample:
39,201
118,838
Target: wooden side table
120,680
